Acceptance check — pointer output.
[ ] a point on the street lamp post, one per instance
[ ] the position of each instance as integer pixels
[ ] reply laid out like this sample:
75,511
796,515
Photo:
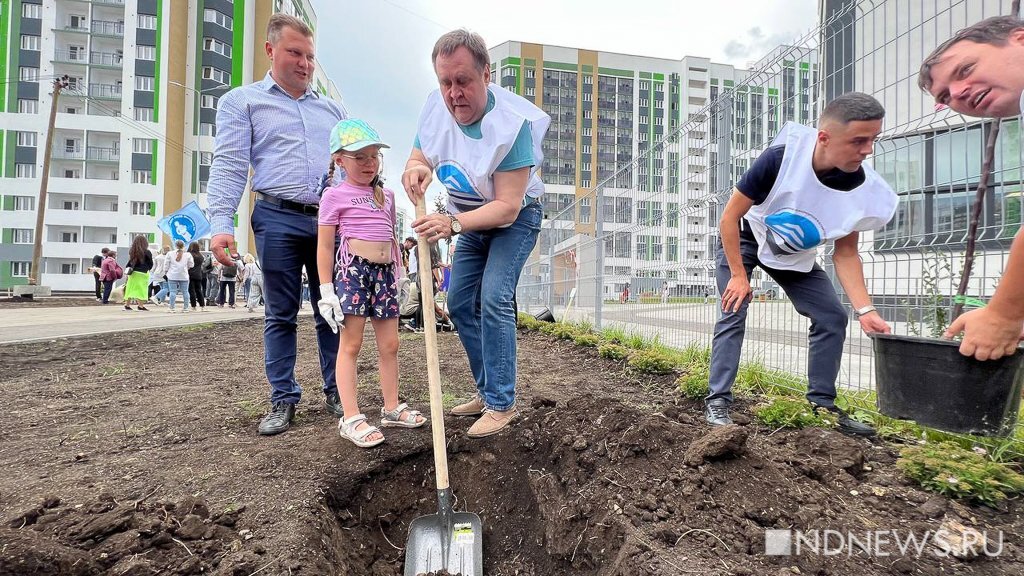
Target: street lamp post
36,274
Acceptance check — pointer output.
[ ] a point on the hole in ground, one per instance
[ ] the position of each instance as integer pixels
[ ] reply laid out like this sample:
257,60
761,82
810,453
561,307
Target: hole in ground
526,484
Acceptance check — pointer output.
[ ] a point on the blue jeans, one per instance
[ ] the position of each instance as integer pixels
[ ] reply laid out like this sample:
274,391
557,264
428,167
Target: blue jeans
285,242
175,286
812,295
162,293
485,271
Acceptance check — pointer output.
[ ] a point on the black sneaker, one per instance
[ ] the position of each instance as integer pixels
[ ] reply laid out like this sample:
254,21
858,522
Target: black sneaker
333,404
716,412
278,420
845,423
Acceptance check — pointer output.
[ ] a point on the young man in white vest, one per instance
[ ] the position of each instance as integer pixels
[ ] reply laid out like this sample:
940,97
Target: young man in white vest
810,187
484,143
980,72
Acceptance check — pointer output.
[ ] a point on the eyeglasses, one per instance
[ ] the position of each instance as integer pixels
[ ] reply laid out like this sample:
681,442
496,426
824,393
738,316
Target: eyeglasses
365,158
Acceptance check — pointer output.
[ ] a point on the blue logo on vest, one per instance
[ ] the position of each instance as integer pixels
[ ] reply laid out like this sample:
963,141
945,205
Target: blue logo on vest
461,191
183,227
790,232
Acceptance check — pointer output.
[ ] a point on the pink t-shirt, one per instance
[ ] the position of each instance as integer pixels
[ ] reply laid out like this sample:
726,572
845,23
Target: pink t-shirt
352,209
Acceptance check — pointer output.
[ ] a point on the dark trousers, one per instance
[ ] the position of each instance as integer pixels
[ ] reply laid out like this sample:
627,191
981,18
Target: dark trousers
99,285
227,286
197,292
108,285
285,242
812,295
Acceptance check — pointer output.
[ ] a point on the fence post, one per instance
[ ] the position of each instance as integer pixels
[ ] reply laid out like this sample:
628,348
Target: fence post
598,256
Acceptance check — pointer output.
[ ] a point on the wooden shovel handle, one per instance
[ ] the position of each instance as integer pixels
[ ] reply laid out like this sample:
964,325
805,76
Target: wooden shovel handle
426,280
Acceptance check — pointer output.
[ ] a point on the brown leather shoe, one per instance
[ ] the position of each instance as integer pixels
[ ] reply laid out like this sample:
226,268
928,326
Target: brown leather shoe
474,407
491,422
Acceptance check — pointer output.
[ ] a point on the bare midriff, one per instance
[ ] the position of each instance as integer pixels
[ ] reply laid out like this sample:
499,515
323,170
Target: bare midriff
378,252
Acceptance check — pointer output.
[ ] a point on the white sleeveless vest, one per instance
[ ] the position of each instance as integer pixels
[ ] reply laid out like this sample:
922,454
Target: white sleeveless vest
464,165
800,213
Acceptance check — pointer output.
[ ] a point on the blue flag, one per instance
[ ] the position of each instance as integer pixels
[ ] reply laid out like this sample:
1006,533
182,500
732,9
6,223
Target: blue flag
188,224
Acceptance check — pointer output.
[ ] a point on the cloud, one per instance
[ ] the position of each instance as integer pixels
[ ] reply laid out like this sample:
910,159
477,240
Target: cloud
756,44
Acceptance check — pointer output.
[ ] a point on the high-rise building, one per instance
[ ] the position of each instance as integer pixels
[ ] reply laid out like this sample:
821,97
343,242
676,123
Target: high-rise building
134,134
611,115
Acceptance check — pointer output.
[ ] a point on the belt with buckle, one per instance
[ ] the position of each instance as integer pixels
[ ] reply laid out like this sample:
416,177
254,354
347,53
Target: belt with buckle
307,209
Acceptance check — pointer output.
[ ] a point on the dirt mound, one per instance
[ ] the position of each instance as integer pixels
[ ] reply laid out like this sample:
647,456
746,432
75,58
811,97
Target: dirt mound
607,472
111,537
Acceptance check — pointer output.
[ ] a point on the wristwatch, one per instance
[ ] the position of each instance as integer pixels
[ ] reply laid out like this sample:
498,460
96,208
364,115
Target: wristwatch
456,225
862,311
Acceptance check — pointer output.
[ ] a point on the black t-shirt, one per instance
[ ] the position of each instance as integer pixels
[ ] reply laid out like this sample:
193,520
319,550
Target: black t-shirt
758,180
145,266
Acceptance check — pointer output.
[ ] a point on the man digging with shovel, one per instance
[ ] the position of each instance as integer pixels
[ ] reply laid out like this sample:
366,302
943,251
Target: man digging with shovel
808,188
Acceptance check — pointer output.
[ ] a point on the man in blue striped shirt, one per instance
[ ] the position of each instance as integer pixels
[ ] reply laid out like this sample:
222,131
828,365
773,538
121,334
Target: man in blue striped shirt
281,128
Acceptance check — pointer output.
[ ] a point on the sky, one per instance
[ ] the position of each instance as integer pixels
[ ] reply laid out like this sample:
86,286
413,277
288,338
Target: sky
378,51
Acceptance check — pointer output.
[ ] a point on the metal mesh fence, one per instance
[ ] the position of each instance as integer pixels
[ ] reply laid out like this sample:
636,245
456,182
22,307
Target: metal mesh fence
637,251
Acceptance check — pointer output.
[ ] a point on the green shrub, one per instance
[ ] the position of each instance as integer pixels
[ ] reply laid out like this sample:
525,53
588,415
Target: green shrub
791,413
696,356
614,335
613,351
956,472
563,331
547,327
755,378
651,362
587,340
527,322
694,384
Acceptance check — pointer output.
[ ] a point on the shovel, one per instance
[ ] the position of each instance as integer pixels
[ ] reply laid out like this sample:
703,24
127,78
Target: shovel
449,540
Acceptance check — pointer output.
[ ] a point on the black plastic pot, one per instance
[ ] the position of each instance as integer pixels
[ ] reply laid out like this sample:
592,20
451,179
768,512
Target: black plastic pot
930,382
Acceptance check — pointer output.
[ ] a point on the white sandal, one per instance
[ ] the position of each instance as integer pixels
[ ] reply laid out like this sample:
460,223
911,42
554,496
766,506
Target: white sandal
394,419
347,429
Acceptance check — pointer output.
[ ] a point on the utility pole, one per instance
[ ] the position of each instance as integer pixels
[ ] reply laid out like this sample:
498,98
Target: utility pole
36,275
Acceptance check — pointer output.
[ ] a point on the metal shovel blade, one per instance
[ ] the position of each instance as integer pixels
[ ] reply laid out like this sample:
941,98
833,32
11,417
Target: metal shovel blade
433,539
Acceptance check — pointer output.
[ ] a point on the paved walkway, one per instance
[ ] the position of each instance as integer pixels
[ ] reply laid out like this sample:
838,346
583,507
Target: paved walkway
47,323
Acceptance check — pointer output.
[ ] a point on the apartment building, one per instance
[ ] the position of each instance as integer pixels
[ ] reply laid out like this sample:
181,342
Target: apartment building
644,133
135,127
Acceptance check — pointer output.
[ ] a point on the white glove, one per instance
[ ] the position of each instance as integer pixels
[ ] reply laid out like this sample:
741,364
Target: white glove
330,307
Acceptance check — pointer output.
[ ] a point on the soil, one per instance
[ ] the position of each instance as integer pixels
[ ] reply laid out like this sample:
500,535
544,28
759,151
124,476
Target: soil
136,453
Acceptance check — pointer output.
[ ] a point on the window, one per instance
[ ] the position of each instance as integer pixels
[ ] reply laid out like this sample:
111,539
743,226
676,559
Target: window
206,158
142,208
28,74
29,42
78,22
142,145
31,11
24,203
70,205
211,73
142,176
69,237
217,18
144,114
20,269
23,235
69,268
203,187
214,45
28,106
144,83
143,52
27,139
207,129
208,101
72,172
25,170
147,22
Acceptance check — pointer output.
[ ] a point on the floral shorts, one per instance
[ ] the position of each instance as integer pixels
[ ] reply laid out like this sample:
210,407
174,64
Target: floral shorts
367,289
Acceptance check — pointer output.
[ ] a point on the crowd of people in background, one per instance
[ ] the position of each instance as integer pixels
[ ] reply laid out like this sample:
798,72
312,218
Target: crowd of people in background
160,277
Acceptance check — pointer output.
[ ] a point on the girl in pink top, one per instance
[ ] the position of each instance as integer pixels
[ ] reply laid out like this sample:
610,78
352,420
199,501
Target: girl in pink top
358,215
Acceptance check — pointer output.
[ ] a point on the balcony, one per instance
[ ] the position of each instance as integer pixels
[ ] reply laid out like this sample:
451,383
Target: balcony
69,153
98,154
109,91
108,28
109,3
70,56
110,59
